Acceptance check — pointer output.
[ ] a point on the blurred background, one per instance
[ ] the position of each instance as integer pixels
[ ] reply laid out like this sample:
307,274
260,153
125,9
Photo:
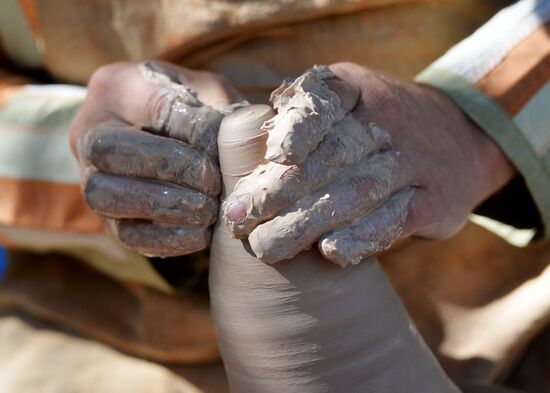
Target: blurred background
2,262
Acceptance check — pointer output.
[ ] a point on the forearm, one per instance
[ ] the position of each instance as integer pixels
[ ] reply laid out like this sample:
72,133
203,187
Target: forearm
499,78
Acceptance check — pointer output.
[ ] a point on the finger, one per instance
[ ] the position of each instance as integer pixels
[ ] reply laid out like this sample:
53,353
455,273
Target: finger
123,197
273,187
348,92
160,240
306,108
176,111
143,96
370,234
353,194
211,89
127,151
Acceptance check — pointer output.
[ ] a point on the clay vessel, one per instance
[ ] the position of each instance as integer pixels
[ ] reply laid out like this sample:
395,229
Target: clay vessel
306,325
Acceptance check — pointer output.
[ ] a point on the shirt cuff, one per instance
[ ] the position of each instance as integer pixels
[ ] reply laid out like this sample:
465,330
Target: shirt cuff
496,122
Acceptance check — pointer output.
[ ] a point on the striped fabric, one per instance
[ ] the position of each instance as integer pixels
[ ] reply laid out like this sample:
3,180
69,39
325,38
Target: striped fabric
36,159
500,76
41,206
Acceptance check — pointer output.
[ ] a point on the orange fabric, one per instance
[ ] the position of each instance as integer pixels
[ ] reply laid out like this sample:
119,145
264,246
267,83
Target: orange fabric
29,10
76,37
522,73
42,205
5,242
9,84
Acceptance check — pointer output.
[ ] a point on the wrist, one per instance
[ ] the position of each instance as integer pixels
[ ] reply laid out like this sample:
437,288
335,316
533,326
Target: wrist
492,169
498,169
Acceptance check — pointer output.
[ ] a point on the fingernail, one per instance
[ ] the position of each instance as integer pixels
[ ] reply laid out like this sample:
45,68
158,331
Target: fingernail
236,212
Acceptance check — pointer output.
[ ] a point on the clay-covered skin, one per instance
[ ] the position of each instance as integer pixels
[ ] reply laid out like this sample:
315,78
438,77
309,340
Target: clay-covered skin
354,193
163,240
347,140
277,185
368,235
306,108
119,197
128,152
305,325
146,140
182,115
335,173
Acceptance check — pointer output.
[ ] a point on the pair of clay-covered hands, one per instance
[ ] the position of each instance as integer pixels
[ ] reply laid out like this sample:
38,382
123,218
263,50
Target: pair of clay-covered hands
356,161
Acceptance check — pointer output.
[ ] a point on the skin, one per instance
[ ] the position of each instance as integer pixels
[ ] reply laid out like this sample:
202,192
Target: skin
307,326
305,304
331,122
145,138
430,164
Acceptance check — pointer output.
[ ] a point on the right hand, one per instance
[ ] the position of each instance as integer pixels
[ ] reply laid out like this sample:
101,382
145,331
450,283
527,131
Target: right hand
147,149
358,160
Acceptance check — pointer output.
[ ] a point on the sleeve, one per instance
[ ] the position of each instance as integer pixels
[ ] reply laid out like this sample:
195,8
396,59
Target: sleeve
41,206
499,76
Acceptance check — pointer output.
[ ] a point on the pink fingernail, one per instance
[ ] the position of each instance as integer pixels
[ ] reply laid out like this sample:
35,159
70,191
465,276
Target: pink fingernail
236,212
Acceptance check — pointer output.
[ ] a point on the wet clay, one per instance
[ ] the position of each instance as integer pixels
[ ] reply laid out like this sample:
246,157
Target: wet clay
126,151
306,108
343,191
281,185
306,325
184,112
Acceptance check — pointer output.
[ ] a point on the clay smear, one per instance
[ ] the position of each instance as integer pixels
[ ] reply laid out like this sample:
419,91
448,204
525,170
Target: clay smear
283,209
306,110
355,192
369,234
129,152
272,187
182,112
305,325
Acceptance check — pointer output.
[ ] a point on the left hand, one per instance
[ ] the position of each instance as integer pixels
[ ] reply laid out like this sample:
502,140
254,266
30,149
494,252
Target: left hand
146,140
358,160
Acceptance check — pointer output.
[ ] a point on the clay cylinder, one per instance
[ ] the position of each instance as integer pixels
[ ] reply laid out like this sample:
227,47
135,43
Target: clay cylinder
306,325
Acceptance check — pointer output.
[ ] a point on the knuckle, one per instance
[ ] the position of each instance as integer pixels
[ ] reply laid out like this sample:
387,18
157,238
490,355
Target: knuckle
380,176
101,80
371,187
90,143
216,86
159,108
345,66
203,212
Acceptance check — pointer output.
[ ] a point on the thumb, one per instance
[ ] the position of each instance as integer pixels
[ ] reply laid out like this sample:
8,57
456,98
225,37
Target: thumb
307,108
142,96
174,109
349,93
